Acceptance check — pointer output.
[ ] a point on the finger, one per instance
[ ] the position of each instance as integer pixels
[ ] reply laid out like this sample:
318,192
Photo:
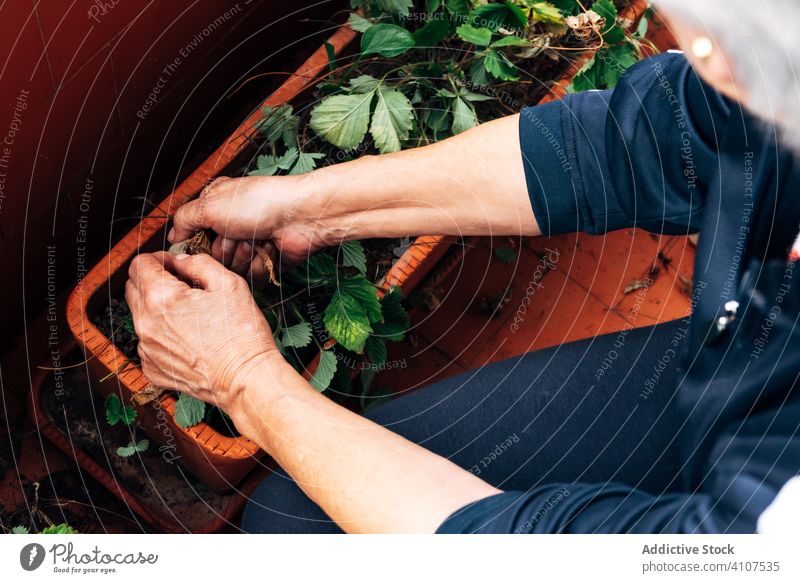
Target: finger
188,218
147,268
222,250
203,271
242,257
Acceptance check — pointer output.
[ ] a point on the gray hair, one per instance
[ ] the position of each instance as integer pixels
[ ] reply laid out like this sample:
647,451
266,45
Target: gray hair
761,39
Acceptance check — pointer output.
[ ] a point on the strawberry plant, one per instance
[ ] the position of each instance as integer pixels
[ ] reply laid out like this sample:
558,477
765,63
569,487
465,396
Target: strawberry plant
424,71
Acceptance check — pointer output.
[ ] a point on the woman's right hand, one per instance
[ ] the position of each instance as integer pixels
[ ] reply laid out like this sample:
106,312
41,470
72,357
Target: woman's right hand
275,213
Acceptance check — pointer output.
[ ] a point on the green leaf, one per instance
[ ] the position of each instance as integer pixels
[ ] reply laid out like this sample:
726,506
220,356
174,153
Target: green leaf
330,52
296,336
496,15
511,41
266,165
433,33
342,120
472,97
358,22
279,123
133,447
322,377
363,84
498,65
612,32
432,6
318,269
306,162
396,6
478,73
353,255
458,7
116,411
62,528
464,116
127,324
347,321
391,121
477,36
375,349
546,12
359,288
386,40
505,254
189,411
395,318
20,530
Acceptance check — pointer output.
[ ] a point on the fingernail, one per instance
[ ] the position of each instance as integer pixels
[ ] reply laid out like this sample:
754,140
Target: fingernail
246,247
171,235
181,256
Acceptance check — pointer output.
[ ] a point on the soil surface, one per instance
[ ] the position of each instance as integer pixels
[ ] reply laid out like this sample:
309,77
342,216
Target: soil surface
164,488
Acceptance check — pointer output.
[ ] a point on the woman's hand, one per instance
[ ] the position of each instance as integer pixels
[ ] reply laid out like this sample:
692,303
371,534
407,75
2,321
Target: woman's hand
205,340
276,213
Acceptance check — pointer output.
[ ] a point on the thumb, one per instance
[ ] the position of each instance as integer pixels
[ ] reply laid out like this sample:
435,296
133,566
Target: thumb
190,217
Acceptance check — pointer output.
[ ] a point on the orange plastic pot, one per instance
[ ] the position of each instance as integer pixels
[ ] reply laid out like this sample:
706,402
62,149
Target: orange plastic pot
218,460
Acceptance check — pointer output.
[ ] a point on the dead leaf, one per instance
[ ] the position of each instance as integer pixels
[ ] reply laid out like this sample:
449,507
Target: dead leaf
635,285
147,395
196,244
267,260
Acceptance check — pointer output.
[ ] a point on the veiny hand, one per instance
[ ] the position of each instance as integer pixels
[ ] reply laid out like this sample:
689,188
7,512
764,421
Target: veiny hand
202,340
273,212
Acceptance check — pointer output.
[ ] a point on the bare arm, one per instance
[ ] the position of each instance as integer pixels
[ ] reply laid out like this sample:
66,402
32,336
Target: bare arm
471,184
214,343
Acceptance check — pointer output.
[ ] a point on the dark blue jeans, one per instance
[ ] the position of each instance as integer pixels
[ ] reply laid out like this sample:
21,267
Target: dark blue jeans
580,412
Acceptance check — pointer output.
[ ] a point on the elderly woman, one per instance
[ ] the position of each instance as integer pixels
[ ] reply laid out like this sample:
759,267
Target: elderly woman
702,141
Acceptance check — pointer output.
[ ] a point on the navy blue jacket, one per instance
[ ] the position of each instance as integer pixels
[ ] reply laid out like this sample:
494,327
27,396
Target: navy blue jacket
665,152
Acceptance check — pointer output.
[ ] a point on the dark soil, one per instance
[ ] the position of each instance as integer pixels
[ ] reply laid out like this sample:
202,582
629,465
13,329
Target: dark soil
164,488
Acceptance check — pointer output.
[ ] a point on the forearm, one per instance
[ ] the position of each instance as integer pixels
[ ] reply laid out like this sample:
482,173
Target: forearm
362,475
471,184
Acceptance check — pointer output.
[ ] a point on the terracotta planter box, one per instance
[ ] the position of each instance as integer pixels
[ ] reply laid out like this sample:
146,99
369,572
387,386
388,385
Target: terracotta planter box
218,460
221,512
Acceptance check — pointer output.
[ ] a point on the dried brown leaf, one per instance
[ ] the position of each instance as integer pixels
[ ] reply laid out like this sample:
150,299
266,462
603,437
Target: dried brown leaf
268,265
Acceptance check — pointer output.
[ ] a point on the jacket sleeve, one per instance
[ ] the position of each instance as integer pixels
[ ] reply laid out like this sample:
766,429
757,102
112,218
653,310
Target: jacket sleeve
642,155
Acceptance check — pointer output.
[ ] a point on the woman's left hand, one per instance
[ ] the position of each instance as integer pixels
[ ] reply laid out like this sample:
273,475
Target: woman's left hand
205,338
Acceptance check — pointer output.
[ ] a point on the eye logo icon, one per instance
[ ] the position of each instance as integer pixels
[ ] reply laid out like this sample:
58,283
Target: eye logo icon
31,556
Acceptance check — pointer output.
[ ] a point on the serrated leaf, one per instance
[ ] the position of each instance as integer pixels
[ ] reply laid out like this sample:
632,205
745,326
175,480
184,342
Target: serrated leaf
326,369
279,123
317,269
458,7
306,162
392,120
402,7
296,336
472,97
365,293
499,66
386,40
266,165
342,120
346,320
463,116
363,84
358,22
478,73
546,12
20,530
62,528
433,33
505,254
612,32
133,447
117,412
353,255
375,349
395,318
189,411
496,15
476,36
